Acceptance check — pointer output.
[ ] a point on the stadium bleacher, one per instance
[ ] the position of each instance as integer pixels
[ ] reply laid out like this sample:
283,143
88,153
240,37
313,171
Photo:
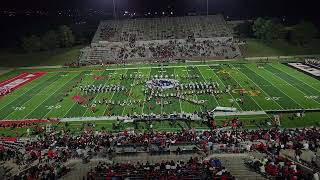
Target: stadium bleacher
169,38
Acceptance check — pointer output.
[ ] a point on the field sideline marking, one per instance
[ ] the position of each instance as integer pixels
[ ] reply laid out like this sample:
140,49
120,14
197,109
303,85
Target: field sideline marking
161,103
59,89
206,81
119,83
47,88
224,86
27,90
145,96
260,88
296,78
72,104
24,106
131,87
128,68
291,85
277,88
248,95
50,96
94,99
110,97
194,94
60,103
174,72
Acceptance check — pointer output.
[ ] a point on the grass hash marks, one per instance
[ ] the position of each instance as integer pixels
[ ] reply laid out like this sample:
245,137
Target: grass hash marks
117,75
41,97
299,75
18,102
152,106
237,84
210,76
100,108
210,101
41,111
274,93
4,101
303,87
121,96
233,102
68,103
258,93
170,104
286,88
137,93
186,106
77,110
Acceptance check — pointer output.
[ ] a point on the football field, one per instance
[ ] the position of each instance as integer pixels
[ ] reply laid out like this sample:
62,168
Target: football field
252,87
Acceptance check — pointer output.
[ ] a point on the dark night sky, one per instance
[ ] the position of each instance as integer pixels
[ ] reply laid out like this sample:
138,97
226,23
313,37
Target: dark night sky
241,8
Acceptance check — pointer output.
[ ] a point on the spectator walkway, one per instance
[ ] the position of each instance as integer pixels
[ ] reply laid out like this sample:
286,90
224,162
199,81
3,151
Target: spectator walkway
234,163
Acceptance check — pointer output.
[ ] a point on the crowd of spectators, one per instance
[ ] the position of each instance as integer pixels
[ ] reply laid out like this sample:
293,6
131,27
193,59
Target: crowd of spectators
58,147
172,49
46,171
161,39
272,140
279,167
313,62
192,169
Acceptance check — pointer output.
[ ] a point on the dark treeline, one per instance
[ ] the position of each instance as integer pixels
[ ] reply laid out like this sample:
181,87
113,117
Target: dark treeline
14,29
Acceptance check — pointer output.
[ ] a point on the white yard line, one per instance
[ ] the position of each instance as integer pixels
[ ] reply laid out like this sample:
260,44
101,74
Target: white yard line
94,99
278,88
22,93
68,109
226,87
194,94
145,98
113,93
297,79
174,72
129,93
291,86
49,96
260,89
60,88
23,105
161,105
107,105
248,95
206,81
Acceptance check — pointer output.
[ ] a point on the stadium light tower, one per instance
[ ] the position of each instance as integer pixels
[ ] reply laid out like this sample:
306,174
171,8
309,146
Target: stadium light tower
114,9
207,7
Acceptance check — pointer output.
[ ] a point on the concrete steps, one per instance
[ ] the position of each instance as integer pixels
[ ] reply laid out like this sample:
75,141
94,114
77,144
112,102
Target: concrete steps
235,164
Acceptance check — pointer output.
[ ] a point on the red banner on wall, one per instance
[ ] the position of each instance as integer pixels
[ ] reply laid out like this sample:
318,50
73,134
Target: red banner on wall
14,83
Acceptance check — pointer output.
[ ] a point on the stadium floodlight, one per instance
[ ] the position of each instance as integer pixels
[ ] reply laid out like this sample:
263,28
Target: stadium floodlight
207,7
114,9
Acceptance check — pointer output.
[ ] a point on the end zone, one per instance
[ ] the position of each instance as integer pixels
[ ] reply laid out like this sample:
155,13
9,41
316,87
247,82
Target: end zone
16,82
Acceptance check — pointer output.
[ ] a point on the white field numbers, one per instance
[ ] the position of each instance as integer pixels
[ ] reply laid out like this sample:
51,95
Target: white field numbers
235,100
53,107
19,108
272,98
311,97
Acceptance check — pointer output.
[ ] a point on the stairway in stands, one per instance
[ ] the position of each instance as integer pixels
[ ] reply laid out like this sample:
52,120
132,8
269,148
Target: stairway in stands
234,163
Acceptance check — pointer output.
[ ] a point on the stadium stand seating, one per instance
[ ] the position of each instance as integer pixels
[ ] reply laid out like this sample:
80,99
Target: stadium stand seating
169,38
193,169
54,149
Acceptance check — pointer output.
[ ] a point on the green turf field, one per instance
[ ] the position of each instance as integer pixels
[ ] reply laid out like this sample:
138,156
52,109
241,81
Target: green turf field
272,86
